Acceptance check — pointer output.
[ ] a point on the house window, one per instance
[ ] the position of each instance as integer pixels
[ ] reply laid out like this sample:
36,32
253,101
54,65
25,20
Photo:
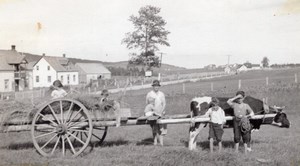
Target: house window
68,79
6,84
62,79
37,79
49,79
37,67
74,78
48,67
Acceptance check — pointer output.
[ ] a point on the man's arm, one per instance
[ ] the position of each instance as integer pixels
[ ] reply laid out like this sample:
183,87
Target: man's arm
230,101
250,111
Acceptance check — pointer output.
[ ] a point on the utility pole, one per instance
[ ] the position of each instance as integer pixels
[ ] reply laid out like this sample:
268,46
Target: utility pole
228,59
161,54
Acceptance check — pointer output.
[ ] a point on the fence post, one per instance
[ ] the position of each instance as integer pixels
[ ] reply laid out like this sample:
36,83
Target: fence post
212,86
296,78
183,88
267,81
89,90
240,84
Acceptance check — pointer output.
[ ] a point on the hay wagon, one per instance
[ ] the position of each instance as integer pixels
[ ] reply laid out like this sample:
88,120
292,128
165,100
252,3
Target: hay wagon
65,127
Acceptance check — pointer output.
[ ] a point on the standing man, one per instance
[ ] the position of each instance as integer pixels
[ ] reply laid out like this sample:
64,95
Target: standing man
241,124
159,109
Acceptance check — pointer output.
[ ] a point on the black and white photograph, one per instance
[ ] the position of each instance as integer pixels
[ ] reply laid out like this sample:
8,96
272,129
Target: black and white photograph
149,82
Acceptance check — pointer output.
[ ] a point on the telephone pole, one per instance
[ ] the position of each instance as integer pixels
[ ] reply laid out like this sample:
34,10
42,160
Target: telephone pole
228,59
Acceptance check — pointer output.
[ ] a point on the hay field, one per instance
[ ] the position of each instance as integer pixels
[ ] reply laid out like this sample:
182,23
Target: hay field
132,145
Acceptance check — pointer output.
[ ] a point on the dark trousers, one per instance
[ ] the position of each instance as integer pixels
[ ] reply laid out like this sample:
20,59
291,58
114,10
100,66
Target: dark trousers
246,136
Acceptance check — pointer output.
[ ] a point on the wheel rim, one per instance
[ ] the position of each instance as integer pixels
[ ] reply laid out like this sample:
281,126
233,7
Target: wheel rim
62,127
99,134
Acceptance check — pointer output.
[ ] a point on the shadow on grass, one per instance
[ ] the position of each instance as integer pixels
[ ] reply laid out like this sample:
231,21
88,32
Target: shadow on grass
147,141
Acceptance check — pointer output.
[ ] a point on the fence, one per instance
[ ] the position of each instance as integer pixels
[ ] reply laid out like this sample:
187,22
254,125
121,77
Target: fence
29,94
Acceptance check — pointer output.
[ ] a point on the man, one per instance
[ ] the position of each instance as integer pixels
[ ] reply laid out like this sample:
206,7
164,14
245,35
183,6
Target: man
242,112
159,109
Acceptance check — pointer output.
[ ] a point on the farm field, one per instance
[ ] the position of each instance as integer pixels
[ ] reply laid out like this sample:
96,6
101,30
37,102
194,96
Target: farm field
132,145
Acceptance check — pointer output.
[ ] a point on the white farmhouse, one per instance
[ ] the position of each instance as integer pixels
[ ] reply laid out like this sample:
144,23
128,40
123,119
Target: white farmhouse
92,71
12,71
49,69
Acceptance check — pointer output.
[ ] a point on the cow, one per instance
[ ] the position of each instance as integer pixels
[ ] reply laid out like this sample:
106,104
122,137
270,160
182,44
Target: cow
200,105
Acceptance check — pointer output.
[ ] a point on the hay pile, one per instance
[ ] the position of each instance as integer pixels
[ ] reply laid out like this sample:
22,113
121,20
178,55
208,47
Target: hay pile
24,111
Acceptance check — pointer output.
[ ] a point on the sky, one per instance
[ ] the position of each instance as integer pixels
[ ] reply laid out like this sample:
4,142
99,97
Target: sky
202,31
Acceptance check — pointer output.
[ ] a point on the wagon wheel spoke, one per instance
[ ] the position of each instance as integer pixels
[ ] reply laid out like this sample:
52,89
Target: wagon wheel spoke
68,112
61,112
53,114
79,140
72,148
74,116
100,134
43,135
46,118
48,141
56,143
63,145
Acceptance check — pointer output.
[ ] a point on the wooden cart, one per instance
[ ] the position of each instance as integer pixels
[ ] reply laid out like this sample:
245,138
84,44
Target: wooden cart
65,127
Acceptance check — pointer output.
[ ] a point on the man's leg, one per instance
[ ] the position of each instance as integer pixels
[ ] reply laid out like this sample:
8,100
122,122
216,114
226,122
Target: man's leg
246,140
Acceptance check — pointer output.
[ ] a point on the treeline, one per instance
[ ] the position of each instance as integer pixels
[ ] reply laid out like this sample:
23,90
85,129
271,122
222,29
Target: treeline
132,71
291,65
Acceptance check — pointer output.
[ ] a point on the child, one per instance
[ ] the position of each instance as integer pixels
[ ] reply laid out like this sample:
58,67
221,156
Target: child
150,108
58,91
217,119
107,104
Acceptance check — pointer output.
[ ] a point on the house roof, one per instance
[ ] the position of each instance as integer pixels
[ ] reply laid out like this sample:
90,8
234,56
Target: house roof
93,68
31,59
4,65
13,57
59,63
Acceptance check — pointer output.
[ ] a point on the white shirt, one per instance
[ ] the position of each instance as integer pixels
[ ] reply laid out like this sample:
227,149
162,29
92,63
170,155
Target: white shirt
58,93
217,116
160,101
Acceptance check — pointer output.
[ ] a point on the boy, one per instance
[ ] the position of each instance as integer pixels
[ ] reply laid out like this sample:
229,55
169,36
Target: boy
217,119
242,111
150,107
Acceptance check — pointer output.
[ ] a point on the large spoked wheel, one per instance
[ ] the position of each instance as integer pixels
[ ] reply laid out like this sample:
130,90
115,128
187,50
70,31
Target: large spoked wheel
99,134
62,127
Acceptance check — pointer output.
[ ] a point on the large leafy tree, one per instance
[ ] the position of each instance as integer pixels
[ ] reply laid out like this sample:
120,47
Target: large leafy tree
149,32
265,62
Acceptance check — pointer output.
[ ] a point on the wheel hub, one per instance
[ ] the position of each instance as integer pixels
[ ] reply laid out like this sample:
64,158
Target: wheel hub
62,129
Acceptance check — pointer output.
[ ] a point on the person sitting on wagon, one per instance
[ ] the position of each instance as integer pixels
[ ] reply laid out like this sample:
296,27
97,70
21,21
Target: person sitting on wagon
106,104
158,131
58,91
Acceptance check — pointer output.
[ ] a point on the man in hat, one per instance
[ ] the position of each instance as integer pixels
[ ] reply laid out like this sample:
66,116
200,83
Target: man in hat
159,109
242,111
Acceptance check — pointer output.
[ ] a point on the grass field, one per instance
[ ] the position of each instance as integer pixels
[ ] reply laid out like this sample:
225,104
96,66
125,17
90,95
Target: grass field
132,145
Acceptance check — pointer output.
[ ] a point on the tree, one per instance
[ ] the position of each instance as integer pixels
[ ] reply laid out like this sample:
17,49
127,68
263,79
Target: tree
149,32
265,62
